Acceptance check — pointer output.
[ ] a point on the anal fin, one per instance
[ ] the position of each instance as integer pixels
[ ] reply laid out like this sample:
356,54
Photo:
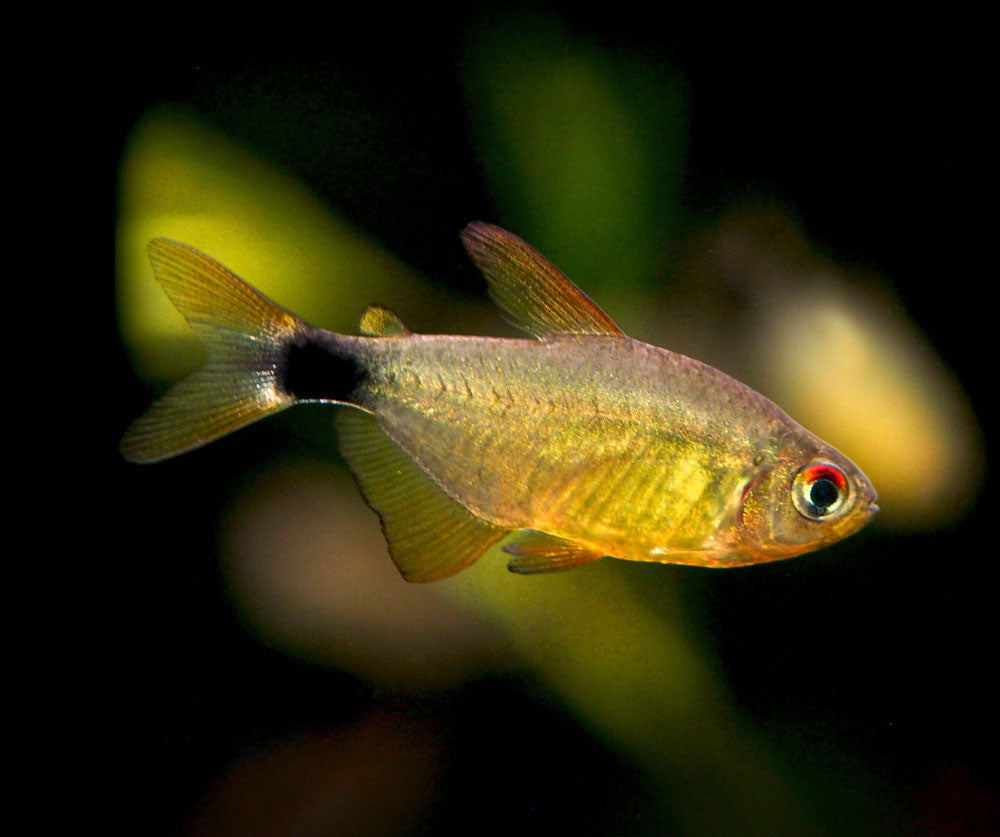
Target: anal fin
430,535
542,553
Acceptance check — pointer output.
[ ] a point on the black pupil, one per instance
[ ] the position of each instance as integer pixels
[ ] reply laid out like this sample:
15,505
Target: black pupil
823,494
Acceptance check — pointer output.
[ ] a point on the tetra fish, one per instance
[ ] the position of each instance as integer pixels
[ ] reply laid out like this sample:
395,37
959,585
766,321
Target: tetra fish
584,441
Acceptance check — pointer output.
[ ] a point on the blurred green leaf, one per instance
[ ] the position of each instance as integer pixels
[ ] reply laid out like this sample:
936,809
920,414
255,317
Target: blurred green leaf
584,149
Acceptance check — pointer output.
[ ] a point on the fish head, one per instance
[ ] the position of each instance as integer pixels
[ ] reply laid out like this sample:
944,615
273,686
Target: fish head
804,496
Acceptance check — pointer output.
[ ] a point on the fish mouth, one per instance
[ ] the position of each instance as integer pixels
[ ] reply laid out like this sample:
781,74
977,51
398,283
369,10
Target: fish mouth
870,497
868,511
863,515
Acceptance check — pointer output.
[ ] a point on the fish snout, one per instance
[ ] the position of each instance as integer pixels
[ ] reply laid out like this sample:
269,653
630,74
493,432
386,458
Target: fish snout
871,498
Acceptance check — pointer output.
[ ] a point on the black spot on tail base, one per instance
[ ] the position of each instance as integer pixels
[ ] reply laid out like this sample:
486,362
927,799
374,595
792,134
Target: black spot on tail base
320,370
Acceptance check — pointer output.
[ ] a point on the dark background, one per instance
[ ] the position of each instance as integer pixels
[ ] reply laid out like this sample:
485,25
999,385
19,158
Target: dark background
873,133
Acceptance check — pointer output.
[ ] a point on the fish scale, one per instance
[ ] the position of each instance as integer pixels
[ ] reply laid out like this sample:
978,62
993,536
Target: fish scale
620,467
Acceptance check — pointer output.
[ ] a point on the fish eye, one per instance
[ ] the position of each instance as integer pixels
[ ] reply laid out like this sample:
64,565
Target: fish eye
820,490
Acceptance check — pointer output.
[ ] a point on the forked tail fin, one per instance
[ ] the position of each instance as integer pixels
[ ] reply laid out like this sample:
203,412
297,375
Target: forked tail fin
247,338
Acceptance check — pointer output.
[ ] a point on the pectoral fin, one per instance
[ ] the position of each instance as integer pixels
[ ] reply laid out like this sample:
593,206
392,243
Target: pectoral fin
430,535
541,553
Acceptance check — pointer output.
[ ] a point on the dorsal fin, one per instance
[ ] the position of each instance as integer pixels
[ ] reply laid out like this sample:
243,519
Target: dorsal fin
379,321
530,288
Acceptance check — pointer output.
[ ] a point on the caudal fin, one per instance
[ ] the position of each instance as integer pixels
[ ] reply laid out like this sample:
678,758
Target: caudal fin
246,336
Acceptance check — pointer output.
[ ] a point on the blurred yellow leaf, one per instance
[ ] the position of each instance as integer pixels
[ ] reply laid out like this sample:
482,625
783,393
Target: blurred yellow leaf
180,179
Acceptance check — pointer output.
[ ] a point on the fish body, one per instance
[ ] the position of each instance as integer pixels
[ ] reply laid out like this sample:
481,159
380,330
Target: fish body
585,441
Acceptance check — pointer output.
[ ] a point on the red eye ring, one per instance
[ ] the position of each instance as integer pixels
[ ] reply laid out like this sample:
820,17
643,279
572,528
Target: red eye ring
820,491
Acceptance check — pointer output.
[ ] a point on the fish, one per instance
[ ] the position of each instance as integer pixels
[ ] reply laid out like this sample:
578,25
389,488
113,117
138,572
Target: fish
571,444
